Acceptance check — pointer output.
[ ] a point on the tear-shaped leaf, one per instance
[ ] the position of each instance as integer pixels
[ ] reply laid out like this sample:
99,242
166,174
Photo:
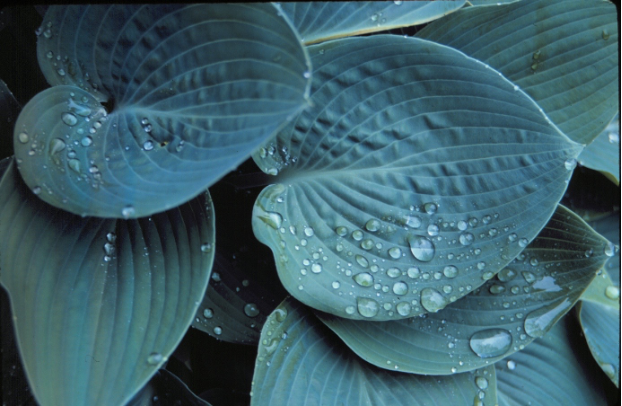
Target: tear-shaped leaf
99,304
564,54
553,370
319,21
9,107
300,362
415,164
191,89
603,154
521,303
599,313
236,303
165,388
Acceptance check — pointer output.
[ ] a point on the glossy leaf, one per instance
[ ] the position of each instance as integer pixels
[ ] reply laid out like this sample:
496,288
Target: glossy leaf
553,370
99,304
166,389
396,183
503,316
603,154
300,362
564,54
319,21
189,92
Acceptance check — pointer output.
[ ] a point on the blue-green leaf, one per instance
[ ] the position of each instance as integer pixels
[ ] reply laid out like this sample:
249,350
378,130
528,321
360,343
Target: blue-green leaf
301,363
521,303
319,21
553,370
603,154
98,304
415,164
190,91
564,54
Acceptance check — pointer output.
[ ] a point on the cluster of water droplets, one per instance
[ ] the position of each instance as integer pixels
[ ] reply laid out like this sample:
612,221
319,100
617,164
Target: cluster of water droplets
277,157
275,336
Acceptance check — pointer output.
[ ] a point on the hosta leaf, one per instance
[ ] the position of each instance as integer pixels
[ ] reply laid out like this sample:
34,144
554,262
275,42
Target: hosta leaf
9,107
600,320
300,362
609,227
166,389
603,154
236,303
191,90
551,371
319,21
489,2
414,164
521,303
99,304
564,54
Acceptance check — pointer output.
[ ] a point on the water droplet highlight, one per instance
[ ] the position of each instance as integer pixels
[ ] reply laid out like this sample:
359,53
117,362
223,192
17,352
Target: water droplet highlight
364,279
421,248
490,343
251,310
432,300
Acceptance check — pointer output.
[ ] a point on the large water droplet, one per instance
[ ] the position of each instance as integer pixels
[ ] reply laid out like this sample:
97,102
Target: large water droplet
403,308
271,218
506,275
251,310
372,225
357,235
350,310
395,253
362,261
69,119
341,231
421,248
74,165
367,307
609,249
413,221
433,230
481,382
612,292
432,300
393,272
316,268
400,288
538,322
466,239
413,272
56,145
364,279
308,231
491,343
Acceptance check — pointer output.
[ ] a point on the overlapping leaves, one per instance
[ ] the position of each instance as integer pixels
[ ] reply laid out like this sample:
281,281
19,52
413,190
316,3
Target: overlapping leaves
188,91
415,164
99,305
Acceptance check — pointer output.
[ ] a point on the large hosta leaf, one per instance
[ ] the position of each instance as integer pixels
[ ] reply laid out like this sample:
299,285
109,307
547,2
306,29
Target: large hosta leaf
415,164
190,91
99,304
603,154
319,21
300,362
553,370
564,54
521,303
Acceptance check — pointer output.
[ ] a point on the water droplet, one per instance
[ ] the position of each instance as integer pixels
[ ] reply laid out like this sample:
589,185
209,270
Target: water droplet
127,212
74,165
357,235
433,230
523,242
218,330
432,300
49,55
413,221
47,33
511,365
430,208
466,239
316,268
367,307
216,277
251,310
23,137
148,145
400,288
111,237
372,225
367,244
506,275
364,279
395,253
308,231
155,358
421,248
341,231
271,218
36,190
450,271
496,289
614,138
606,35
570,164
403,308
336,285
413,272
393,272
362,261
208,313
109,248
56,145
481,382
86,141
609,249
61,72
512,237
490,343
206,247
539,321
350,310
612,292
306,74
69,119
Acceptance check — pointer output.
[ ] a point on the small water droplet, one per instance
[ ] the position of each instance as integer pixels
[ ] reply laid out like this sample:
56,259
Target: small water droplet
206,247
430,208
400,288
367,244
218,330
357,235
539,321
372,225
47,33
341,231
413,272
413,221
251,310
612,292
609,249
271,218
350,310
49,55
316,268
511,365
466,239
395,253
364,279
155,358
506,275
523,242
450,271
362,261
23,137
74,165
481,382
280,315
432,300
606,35
433,230
69,119
208,313
148,145
336,285
367,307
36,190
86,141
306,74
421,248
403,308
127,212
56,145
496,289
490,343
570,164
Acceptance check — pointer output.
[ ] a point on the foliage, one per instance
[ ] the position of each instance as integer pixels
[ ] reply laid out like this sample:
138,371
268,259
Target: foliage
434,219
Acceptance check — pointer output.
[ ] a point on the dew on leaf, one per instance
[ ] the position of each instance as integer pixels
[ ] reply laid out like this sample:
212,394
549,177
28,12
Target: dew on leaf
490,343
539,321
364,279
421,248
23,137
450,271
395,253
432,300
69,119
612,292
367,307
251,310
400,288
372,225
